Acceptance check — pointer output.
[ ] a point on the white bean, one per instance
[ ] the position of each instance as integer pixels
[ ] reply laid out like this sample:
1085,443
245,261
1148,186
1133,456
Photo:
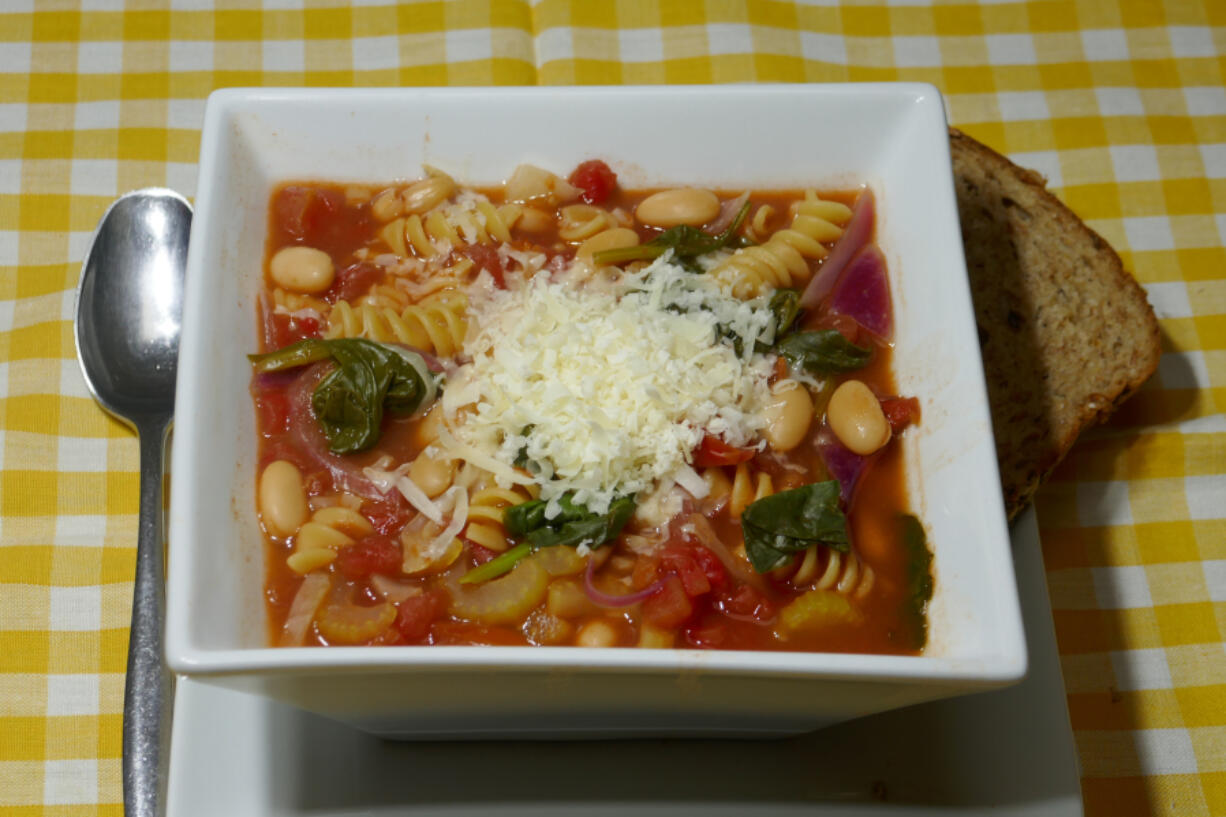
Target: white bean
670,208
787,415
856,418
653,637
283,501
302,269
432,474
597,633
427,428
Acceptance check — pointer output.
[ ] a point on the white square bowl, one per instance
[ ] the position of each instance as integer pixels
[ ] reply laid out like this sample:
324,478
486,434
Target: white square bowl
891,137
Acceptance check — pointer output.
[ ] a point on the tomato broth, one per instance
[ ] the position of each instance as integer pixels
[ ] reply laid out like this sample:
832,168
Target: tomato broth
352,557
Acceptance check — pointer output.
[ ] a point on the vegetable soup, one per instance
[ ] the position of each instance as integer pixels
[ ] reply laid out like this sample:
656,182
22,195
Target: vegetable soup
558,412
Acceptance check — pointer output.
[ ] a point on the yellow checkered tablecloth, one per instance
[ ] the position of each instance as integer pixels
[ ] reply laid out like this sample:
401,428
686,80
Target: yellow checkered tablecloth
1121,105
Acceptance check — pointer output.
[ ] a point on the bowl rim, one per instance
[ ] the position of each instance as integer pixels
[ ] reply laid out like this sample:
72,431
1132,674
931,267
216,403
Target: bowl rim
1007,664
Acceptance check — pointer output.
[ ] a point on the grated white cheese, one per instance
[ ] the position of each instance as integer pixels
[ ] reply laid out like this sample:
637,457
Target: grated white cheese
297,314
437,546
385,480
606,391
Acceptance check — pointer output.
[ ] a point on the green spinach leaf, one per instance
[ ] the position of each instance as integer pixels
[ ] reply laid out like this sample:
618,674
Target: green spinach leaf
919,578
573,526
302,353
785,306
686,243
499,565
369,379
521,457
823,352
785,523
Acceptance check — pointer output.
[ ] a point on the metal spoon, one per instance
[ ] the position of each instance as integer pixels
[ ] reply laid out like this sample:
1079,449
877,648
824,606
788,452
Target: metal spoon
127,333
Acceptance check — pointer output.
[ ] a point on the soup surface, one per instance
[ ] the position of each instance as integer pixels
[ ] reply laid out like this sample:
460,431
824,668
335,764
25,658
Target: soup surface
558,412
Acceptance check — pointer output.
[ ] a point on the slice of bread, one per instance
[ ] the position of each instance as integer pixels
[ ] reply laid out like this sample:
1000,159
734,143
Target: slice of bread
1066,334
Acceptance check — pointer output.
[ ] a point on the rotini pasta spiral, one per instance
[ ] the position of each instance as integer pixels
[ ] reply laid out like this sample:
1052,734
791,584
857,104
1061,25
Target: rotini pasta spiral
843,572
748,486
486,509
384,296
418,197
783,261
437,324
757,227
435,233
425,195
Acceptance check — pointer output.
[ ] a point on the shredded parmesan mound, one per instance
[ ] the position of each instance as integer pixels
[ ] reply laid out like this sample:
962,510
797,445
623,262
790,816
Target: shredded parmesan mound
606,391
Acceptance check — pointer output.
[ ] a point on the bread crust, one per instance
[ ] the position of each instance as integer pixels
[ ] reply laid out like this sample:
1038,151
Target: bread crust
1067,334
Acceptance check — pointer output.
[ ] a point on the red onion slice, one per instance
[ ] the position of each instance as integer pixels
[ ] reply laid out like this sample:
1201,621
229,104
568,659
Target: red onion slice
607,600
863,293
727,214
844,465
855,236
311,441
277,380
433,363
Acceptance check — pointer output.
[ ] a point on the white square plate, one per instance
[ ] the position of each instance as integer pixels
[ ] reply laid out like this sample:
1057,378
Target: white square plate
1009,752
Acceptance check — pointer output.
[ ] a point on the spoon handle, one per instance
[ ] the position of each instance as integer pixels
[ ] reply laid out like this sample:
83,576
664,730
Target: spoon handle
149,689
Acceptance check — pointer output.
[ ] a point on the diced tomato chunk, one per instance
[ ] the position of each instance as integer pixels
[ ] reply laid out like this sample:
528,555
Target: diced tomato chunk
711,566
353,281
681,563
319,218
901,412
487,258
780,371
646,571
415,614
670,607
707,636
747,603
713,451
596,179
279,332
480,554
373,554
388,515
318,482
282,330
300,212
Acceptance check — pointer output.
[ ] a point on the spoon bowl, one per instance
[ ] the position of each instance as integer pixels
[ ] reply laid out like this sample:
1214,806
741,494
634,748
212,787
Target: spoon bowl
129,306
130,302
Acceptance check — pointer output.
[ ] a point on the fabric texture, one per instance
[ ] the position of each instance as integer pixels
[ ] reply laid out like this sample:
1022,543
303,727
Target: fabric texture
1122,106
